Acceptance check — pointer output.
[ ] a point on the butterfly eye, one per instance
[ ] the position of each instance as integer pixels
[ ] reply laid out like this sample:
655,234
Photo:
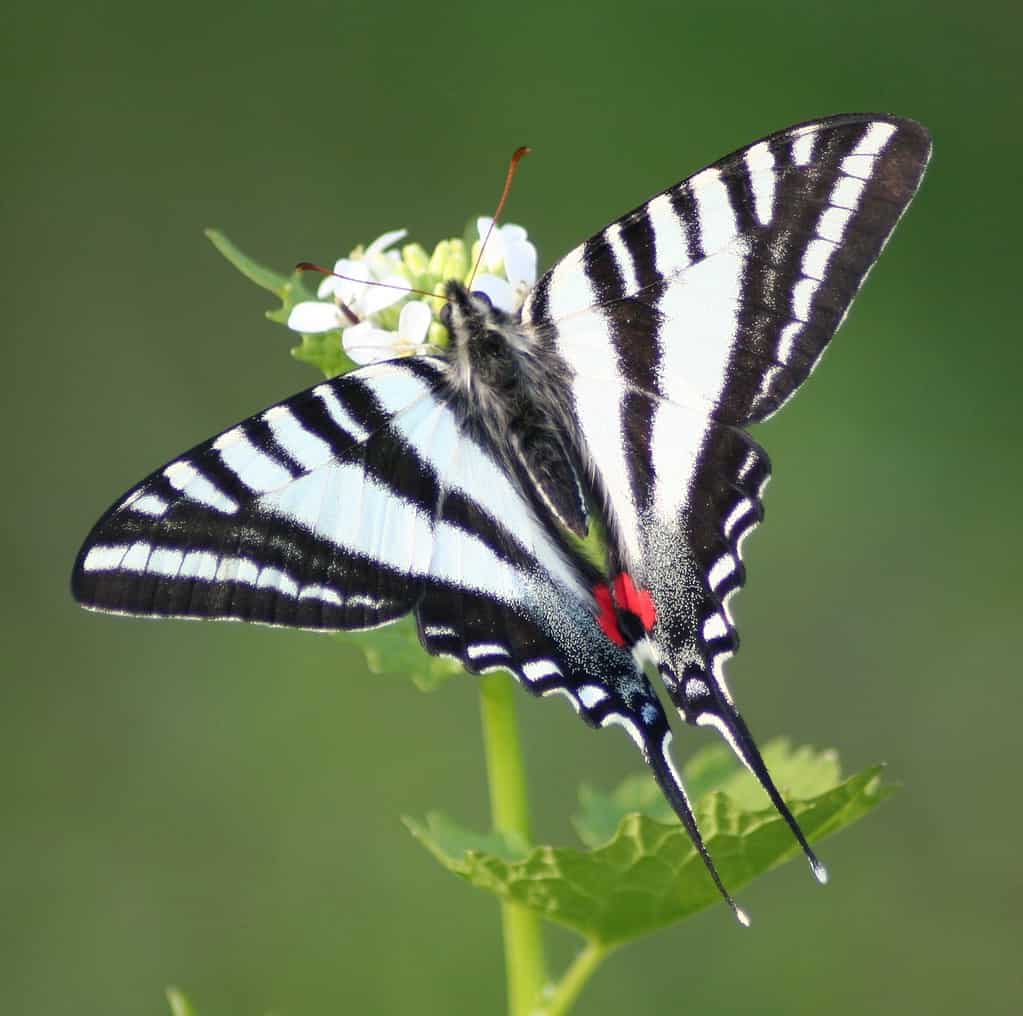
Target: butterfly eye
478,294
445,316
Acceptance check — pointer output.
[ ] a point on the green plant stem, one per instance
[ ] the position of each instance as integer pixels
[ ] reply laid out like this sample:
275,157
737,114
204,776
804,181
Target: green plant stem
567,990
509,807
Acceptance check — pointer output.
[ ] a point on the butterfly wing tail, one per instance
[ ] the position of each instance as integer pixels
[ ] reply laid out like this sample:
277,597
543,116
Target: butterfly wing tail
706,703
656,750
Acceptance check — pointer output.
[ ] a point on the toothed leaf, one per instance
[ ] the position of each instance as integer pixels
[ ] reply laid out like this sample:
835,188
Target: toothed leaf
646,874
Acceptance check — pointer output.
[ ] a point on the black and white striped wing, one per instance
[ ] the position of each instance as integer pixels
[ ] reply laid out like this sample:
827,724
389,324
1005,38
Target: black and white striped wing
696,314
357,502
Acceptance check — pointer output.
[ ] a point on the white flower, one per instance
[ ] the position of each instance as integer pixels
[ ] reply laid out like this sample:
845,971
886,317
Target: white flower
380,322
508,249
377,264
365,343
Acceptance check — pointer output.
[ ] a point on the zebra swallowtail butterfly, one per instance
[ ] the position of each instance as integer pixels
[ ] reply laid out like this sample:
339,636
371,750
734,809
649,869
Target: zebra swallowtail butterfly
449,486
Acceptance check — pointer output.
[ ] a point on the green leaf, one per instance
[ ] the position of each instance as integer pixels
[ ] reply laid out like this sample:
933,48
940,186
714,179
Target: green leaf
324,351
263,277
800,774
645,874
179,1004
396,650
444,839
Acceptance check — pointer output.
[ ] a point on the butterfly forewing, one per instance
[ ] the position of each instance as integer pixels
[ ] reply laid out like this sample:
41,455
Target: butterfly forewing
350,505
738,276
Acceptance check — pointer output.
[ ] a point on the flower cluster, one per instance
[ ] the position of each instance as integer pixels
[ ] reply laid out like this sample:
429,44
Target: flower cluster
377,315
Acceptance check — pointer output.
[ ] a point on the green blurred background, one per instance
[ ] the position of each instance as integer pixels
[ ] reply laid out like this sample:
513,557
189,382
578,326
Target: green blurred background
218,806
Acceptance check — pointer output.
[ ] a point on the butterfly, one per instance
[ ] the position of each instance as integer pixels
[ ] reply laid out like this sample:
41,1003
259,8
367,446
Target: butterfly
455,486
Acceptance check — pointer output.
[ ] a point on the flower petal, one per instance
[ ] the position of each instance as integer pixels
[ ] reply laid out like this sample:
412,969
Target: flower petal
313,316
348,289
365,343
513,233
483,223
493,252
385,240
414,322
499,291
376,298
520,261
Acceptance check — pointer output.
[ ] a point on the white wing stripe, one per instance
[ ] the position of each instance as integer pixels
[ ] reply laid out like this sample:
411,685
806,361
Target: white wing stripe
184,477
760,167
480,649
802,295
714,627
701,310
537,670
675,442
598,407
875,139
722,568
321,593
337,412
198,564
565,693
832,224
570,289
786,343
137,558
208,567
816,257
274,578
802,150
591,695
629,725
671,248
165,561
147,504
847,193
105,557
623,259
304,447
317,502
735,516
717,216
256,470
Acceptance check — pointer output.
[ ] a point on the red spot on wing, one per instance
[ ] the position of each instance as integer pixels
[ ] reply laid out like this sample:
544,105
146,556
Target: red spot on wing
607,619
638,601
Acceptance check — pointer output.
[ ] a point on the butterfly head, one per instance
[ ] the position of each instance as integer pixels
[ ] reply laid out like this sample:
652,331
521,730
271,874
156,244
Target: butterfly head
467,311
482,339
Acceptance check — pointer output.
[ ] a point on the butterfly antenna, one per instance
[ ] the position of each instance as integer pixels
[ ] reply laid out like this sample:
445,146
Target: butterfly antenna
517,157
671,786
308,266
737,734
